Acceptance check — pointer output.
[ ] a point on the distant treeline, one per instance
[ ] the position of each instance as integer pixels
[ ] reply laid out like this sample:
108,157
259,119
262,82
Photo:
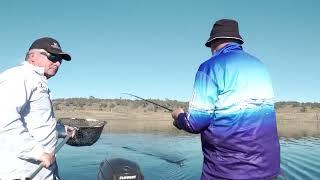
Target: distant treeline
120,105
294,104
116,105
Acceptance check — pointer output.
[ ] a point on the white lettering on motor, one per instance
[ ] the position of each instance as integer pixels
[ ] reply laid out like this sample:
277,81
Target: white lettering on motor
128,177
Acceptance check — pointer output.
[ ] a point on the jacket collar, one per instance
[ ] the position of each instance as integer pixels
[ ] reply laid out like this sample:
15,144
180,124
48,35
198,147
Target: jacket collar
229,47
38,70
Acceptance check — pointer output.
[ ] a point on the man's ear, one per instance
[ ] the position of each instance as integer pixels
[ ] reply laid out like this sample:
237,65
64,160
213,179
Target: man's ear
31,58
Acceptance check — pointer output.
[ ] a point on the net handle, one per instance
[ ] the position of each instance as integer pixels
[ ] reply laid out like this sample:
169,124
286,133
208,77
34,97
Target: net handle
32,175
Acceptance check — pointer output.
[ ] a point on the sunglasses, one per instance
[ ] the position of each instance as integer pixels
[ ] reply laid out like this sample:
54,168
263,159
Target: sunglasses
52,57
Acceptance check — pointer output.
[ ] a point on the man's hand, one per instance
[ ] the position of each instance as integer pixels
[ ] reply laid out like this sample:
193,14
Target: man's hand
47,159
71,131
176,113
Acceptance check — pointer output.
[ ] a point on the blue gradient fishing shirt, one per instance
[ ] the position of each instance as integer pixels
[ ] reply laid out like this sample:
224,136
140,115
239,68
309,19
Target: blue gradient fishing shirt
232,107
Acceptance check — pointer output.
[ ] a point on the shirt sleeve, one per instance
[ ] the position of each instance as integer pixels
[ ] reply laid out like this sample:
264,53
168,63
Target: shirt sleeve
14,136
201,105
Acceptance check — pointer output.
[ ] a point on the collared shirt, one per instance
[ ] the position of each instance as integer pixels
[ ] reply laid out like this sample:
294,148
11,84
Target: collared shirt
232,107
27,122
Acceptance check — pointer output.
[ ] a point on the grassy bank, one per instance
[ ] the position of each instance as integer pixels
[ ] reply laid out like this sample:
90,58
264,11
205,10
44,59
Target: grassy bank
134,116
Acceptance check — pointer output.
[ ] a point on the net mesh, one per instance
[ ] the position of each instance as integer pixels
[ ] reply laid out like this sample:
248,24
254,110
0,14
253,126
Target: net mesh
88,131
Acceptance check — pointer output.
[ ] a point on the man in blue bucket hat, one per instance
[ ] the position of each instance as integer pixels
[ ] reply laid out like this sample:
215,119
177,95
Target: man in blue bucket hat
232,107
28,128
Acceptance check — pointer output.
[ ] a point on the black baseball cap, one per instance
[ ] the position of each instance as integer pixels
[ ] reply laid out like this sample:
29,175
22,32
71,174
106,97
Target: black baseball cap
224,29
50,45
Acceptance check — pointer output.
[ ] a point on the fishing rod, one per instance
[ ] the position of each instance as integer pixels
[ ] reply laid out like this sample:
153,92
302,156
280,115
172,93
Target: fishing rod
149,101
174,122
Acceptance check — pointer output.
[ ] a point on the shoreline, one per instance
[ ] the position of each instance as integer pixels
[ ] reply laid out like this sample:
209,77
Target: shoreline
290,125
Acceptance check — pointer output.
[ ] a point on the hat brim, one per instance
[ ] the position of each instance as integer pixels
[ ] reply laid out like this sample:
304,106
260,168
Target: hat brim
63,55
208,43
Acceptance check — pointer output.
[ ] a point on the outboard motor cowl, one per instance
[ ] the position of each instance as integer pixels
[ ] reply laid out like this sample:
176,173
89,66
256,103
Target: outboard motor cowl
119,169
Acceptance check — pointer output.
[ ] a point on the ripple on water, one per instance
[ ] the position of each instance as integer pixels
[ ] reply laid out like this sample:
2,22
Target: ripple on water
300,157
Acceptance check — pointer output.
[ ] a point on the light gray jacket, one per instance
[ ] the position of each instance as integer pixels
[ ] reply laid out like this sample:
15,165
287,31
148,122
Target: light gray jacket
27,122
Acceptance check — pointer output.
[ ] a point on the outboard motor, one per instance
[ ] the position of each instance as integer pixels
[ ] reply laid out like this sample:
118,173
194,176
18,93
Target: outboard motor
119,169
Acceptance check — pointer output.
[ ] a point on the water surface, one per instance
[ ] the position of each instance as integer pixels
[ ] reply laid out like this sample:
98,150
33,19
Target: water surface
175,157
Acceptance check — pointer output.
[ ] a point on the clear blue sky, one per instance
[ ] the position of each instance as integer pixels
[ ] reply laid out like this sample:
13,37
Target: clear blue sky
153,48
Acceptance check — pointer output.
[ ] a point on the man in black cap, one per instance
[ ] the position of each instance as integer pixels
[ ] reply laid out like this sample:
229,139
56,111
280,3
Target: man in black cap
233,108
28,128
